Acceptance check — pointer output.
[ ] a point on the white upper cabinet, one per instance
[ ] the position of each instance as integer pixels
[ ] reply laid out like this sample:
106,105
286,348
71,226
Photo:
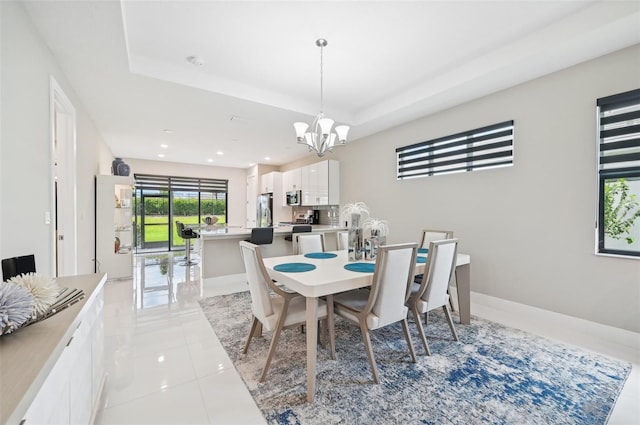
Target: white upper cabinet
321,183
269,182
291,180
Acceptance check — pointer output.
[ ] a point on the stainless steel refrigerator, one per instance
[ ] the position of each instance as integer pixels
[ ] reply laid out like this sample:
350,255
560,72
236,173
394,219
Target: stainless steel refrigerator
265,210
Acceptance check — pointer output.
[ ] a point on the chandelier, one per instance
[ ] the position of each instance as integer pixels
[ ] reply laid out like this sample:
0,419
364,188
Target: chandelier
320,137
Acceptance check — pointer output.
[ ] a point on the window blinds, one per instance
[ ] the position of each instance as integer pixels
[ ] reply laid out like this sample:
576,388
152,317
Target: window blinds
482,148
181,184
619,134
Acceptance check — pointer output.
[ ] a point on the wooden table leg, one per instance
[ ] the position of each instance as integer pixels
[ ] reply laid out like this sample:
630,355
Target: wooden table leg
463,285
312,346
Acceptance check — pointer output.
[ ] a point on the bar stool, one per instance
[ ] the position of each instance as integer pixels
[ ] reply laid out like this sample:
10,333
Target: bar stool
261,236
187,234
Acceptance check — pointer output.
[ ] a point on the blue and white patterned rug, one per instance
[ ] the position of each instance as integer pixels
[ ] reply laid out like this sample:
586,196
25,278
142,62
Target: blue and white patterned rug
493,375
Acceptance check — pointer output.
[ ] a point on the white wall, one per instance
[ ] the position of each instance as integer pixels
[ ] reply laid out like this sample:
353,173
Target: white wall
529,228
237,195
25,163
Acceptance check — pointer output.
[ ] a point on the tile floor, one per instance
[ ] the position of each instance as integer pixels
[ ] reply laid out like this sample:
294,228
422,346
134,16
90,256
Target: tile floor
165,364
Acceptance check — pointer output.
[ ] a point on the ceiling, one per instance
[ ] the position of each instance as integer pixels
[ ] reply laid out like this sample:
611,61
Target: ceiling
386,63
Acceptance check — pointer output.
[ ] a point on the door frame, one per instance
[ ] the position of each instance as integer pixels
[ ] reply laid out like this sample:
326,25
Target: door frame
62,119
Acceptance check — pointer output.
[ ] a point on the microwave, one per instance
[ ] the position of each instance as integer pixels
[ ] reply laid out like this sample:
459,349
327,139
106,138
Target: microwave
294,198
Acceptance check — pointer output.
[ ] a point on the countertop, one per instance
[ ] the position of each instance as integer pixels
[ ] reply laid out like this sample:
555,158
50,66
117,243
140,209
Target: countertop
218,232
29,354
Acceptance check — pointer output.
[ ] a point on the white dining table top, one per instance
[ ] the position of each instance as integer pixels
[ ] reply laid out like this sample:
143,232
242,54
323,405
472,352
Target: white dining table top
329,276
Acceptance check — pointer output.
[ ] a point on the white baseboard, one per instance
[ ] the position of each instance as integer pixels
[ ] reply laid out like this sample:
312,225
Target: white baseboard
607,340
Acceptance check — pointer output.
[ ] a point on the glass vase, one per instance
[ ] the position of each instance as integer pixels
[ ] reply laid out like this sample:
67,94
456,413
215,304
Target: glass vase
355,238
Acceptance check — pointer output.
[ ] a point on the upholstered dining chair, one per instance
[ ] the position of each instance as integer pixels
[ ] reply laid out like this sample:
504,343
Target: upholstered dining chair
430,235
343,240
432,293
309,242
279,311
385,302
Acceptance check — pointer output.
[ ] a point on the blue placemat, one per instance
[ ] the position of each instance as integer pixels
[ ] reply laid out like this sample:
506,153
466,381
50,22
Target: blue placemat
320,255
423,250
361,267
294,267
421,259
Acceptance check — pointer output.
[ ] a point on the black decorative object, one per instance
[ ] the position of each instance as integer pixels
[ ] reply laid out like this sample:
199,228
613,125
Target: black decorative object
123,169
120,168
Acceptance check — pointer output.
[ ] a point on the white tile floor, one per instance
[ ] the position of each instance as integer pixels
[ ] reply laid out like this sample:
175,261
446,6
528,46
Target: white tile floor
165,364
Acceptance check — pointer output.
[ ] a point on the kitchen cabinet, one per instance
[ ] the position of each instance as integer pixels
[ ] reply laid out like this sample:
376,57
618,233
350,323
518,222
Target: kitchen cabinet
114,226
291,181
321,183
270,181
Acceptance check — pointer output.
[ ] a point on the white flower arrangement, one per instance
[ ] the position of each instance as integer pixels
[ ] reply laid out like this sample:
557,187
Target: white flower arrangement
16,307
43,289
358,208
376,226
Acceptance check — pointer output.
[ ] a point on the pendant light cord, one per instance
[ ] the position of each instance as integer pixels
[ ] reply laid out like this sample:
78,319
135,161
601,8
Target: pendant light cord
321,80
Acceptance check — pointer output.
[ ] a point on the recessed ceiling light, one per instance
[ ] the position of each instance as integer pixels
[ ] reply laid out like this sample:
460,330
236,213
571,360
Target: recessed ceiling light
163,146
220,153
161,155
251,164
195,60
209,160
267,158
166,130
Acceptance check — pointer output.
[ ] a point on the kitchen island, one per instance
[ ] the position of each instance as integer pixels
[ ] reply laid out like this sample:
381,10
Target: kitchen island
220,247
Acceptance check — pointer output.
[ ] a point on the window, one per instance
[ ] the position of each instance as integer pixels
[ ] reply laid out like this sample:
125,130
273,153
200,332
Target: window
618,224
482,148
163,200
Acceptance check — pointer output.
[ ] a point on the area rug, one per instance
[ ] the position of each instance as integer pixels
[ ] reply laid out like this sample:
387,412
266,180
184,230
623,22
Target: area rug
493,375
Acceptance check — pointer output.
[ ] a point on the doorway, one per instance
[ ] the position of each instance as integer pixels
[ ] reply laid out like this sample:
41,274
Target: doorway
63,177
152,220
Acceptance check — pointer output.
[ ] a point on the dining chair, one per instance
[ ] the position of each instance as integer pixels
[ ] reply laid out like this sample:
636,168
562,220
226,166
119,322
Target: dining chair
309,242
432,292
385,302
279,311
430,235
343,240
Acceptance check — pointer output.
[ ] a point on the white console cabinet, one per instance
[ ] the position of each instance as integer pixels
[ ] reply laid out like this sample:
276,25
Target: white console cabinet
53,371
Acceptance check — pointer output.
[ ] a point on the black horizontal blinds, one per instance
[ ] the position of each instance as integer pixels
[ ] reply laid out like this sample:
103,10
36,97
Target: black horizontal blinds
486,147
181,184
619,134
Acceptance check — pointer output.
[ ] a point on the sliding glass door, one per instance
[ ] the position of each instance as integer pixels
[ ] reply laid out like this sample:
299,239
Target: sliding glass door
185,208
152,220
161,201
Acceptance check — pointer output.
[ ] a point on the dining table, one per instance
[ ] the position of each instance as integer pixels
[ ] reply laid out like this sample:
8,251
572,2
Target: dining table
315,275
